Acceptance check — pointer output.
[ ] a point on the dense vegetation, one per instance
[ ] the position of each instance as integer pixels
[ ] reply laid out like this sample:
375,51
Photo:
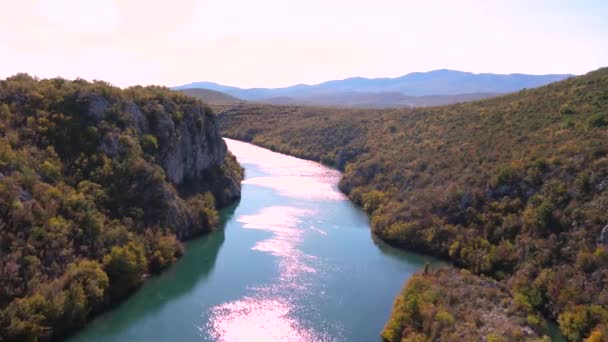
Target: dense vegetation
86,208
431,307
513,188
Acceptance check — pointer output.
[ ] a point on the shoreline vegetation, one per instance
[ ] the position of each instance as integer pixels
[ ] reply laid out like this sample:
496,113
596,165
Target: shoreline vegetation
511,189
99,186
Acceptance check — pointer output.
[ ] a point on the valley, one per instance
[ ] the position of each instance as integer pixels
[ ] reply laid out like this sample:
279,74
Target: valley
294,261
303,171
509,188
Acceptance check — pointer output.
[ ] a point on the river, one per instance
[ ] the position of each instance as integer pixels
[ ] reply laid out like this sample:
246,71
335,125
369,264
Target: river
295,261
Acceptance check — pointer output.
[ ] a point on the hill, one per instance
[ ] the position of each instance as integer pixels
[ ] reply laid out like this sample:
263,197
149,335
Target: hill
375,100
212,97
513,188
350,91
218,101
98,185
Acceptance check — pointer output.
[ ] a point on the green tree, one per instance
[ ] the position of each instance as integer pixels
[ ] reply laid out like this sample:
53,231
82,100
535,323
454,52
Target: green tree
125,267
577,322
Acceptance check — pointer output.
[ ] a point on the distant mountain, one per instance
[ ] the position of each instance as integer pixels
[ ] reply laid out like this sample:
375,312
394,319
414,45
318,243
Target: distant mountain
212,97
434,83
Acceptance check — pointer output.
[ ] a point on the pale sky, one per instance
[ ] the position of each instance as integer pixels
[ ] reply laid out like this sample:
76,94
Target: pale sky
272,43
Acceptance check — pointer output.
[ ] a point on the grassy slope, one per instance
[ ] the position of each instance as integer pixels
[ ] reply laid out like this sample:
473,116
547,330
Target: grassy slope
512,187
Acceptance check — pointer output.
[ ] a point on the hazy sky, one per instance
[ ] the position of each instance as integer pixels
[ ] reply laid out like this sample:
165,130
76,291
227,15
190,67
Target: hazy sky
282,42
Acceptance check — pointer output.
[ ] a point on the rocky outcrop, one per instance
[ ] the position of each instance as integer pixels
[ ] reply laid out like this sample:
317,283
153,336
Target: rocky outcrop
603,238
189,149
110,145
192,155
138,119
97,105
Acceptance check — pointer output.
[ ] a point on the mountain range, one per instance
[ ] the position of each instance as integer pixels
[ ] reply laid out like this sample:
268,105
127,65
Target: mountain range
436,87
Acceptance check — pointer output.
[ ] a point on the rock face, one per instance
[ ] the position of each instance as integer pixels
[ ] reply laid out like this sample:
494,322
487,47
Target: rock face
98,106
189,149
137,117
603,238
192,153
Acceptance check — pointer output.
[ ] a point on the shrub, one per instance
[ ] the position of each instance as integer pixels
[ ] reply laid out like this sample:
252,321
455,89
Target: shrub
598,120
125,267
504,175
566,110
149,144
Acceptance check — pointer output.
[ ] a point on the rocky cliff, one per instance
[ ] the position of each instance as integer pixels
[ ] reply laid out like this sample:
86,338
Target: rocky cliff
184,140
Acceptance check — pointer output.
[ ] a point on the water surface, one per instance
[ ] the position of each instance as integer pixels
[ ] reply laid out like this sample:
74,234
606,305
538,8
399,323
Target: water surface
295,262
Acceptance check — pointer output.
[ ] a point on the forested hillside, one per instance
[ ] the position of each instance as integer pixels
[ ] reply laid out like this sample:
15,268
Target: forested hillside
514,188
90,200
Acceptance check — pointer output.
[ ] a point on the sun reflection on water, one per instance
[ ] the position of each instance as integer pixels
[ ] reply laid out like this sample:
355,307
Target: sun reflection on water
271,311
290,176
268,315
306,187
282,222
255,319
